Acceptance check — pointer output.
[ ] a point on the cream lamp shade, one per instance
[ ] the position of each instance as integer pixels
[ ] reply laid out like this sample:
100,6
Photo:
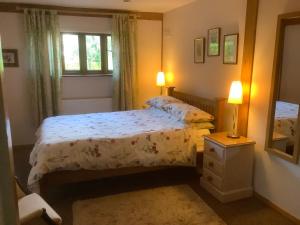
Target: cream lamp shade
160,79
236,93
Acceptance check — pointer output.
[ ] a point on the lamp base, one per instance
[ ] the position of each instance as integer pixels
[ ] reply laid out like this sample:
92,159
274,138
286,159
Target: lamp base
233,136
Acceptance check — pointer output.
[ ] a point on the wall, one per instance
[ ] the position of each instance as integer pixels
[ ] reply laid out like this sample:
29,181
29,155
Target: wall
91,93
18,96
289,90
79,94
181,26
275,179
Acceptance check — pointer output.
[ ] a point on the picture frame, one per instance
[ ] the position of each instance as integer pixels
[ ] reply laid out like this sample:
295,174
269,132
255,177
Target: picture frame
199,50
213,43
10,57
230,51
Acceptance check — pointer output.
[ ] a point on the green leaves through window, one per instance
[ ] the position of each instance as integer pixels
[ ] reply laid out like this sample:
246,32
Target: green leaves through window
71,52
85,54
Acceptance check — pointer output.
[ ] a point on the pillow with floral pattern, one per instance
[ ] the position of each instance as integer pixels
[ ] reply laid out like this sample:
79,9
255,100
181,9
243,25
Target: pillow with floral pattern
187,113
160,101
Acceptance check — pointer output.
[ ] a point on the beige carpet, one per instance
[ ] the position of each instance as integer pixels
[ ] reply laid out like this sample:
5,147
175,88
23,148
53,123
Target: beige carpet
174,205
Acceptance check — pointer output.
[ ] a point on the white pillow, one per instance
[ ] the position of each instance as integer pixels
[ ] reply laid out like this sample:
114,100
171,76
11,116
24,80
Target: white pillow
187,113
160,101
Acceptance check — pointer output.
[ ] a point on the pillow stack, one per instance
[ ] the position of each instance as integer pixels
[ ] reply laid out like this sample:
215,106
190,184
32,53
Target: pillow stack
182,111
160,101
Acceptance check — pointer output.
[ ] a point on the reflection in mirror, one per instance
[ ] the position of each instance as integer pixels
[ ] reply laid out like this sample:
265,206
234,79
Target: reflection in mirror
285,131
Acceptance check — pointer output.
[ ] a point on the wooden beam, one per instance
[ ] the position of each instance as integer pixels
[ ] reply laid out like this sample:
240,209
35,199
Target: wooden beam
76,11
247,64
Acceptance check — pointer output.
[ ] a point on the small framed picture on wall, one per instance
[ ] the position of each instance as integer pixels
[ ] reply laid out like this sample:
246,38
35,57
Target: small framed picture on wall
199,50
10,57
213,46
231,44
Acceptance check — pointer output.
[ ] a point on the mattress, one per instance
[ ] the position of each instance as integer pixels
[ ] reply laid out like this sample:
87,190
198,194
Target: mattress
286,116
113,140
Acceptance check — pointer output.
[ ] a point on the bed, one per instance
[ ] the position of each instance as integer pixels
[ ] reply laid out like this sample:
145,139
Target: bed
286,117
118,143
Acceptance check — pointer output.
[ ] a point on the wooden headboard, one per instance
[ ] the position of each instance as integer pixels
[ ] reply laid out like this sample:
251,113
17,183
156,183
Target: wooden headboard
214,107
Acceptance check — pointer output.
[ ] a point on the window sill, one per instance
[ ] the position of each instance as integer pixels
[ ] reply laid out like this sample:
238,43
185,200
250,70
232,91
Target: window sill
87,75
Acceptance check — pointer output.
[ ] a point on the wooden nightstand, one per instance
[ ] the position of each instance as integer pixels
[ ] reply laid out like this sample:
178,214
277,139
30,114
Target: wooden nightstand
228,167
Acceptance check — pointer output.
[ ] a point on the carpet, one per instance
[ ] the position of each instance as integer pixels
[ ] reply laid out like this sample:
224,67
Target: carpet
173,205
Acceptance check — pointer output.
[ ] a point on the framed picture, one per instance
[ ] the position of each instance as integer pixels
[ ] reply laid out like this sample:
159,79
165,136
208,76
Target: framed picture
10,57
199,50
231,44
213,47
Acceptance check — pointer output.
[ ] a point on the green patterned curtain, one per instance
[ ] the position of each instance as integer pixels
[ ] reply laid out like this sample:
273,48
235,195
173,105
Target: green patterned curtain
44,57
124,53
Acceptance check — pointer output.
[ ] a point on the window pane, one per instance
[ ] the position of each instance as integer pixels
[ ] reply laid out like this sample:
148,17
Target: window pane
71,52
109,53
93,52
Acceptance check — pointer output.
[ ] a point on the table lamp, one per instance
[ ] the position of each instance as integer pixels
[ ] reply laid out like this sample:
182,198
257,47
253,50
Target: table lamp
235,98
160,81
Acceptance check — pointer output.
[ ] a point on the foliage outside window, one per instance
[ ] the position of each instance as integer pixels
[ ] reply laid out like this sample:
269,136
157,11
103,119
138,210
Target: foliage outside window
87,53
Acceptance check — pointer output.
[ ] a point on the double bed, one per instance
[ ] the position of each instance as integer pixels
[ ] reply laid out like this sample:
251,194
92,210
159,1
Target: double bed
79,148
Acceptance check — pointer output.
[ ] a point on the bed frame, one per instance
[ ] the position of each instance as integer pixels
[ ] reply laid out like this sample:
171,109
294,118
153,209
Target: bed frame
214,107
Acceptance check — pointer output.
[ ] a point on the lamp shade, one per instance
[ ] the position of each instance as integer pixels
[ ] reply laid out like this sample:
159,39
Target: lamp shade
160,79
236,93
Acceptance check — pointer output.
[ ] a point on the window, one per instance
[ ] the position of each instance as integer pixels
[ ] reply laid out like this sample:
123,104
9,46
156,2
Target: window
87,53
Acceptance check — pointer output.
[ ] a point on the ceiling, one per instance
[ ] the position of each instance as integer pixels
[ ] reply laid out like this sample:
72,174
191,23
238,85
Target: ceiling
135,5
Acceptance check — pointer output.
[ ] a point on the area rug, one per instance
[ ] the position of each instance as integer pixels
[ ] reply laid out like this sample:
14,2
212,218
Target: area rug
174,205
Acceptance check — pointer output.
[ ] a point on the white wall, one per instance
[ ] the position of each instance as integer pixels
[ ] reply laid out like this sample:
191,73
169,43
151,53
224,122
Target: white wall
79,94
149,38
86,94
290,80
181,26
18,96
275,179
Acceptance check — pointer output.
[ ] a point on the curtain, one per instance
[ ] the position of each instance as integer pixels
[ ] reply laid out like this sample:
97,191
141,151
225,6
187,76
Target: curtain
124,61
44,56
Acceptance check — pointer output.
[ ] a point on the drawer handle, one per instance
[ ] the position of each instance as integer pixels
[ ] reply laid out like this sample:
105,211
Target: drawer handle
211,164
212,150
209,179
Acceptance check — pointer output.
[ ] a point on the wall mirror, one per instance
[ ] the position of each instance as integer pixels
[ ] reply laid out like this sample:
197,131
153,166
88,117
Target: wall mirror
283,133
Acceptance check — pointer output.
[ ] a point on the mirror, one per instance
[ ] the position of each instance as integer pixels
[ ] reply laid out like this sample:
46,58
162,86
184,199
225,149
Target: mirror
283,133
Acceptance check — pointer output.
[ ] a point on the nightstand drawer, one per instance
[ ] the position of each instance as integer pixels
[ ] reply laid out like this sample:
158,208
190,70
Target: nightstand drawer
212,179
213,165
213,150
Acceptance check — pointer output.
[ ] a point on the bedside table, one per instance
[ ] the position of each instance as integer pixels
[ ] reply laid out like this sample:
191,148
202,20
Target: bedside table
228,167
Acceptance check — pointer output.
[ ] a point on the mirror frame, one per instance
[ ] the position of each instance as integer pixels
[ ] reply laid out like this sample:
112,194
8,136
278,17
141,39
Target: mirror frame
283,21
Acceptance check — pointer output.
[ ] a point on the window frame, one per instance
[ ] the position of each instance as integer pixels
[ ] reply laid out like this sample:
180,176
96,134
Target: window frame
83,58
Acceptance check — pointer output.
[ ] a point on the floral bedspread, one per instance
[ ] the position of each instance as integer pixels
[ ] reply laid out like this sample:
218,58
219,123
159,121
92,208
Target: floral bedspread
286,116
101,141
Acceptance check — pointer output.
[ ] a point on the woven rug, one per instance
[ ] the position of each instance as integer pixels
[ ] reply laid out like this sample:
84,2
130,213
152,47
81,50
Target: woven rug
174,205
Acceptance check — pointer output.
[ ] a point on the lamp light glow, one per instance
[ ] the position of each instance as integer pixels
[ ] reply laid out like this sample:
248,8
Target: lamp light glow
236,93
235,98
160,79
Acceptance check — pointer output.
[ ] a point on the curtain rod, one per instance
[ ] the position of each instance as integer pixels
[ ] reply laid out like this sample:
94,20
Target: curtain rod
83,12
77,11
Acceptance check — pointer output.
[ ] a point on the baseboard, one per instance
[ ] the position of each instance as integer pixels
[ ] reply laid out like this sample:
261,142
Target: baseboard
277,208
22,147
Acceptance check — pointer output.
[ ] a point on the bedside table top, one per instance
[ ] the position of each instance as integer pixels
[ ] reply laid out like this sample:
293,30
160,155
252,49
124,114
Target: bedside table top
224,141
